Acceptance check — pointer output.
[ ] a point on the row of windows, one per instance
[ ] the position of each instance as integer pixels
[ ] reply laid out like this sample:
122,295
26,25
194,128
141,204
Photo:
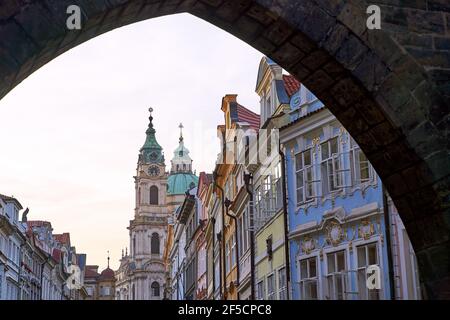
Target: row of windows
268,197
274,292
336,284
331,171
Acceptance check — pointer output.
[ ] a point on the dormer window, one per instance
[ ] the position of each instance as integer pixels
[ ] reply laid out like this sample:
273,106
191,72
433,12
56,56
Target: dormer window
180,153
269,105
266,106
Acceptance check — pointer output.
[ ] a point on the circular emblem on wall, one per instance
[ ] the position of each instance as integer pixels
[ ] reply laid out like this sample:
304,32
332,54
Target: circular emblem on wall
335,233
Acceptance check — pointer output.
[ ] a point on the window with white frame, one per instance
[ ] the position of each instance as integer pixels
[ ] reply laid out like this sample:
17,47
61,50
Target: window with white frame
268,200
258,207
367,255
332,171
269,105
90,291
277,185
227,257
304,176
271,287
361,170
216,271
336,275
105,291
282,288
233,250
244,235
260,290
308,279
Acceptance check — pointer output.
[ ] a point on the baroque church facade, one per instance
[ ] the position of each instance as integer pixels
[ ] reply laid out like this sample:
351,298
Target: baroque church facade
142,275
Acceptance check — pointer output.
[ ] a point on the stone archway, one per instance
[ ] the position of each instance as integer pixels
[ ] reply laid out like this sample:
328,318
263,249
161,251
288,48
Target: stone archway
388,87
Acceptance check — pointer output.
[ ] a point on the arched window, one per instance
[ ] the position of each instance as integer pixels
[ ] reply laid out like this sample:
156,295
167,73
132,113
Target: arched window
153,195
155,243
155,289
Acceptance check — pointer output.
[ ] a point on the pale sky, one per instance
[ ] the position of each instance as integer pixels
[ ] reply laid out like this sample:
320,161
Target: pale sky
70,133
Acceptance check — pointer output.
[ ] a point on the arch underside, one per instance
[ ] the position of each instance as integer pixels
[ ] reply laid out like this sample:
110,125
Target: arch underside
390,97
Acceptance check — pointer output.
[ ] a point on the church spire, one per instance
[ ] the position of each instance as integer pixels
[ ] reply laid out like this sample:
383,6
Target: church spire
181,161
151,151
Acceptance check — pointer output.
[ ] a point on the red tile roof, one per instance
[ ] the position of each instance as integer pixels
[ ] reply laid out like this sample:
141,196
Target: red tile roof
291,84
91,271
56,254
246,115
37,223
63,238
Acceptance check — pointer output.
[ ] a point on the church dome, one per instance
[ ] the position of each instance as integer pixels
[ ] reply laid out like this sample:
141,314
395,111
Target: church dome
179,183
107,274
181,178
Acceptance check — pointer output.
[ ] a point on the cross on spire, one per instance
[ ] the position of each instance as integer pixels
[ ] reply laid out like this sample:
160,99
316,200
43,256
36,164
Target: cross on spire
181,131
150,124
108,258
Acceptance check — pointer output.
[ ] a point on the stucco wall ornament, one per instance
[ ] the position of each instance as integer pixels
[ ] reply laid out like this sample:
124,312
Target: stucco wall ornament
366,229
335,233
308,244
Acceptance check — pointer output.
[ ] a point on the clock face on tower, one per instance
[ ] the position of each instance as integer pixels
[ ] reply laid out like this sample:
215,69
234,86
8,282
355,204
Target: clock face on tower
153,156
153,171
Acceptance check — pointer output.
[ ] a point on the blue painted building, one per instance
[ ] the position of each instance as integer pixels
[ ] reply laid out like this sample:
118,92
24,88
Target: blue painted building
335,208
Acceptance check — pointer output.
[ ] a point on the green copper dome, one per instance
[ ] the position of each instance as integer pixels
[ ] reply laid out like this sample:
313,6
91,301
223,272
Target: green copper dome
151,151
179,183
181,178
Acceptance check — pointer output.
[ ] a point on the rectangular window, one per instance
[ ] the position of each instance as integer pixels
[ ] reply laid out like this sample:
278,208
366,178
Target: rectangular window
336,275
366,255
308,279
257,208
267,198
227,257
361,170
216,272
304,177
260,290
271,287
282,284
233,250
277,187
332,171
244,232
